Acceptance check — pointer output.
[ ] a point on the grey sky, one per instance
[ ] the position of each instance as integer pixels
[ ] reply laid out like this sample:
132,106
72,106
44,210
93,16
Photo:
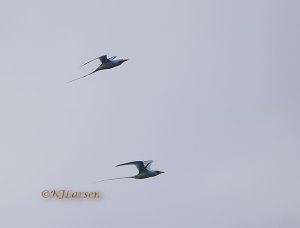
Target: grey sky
210,93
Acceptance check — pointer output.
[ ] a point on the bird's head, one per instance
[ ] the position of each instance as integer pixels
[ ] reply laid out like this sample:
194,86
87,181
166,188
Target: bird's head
124,60
159,172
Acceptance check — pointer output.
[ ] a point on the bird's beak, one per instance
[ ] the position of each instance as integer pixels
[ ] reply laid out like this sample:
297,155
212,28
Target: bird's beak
125,60
162,172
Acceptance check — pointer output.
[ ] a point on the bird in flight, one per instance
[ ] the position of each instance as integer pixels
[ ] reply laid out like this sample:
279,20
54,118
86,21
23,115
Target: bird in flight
143,168
106,63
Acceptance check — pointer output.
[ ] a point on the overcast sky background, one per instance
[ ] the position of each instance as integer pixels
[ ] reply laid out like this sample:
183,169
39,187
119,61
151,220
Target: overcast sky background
210,93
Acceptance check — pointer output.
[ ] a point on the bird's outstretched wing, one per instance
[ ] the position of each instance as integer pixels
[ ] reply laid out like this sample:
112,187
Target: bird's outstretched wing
147,164
139,165
83,76
102,58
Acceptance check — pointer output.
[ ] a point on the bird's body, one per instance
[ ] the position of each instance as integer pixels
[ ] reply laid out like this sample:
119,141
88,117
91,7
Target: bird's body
143,168
147,174
105,64
110,64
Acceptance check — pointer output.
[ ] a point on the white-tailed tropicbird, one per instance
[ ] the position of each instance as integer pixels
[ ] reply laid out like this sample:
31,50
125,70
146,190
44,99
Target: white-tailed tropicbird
106,63
143,168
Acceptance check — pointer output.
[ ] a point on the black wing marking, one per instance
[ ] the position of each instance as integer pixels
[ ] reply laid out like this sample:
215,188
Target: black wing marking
89,61
102,58
139,165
